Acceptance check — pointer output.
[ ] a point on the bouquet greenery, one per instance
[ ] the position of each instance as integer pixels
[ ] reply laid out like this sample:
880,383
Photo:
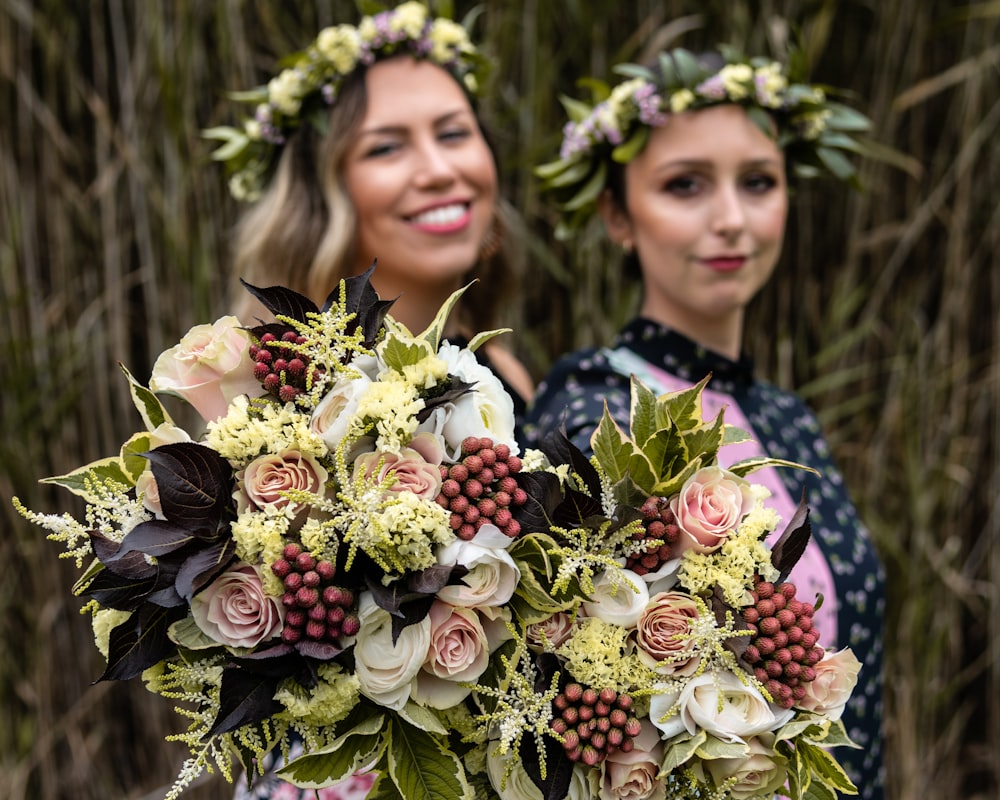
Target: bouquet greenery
355,557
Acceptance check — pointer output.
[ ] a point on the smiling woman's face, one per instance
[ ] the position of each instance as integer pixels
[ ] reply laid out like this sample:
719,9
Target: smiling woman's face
421,178
705,208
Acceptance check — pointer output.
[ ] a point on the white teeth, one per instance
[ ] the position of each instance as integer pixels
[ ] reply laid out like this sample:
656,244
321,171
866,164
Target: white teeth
440,216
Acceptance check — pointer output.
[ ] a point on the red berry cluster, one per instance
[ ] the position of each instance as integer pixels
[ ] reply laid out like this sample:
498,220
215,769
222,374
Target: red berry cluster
783,650
594,723
659,523
315,609
280,369
481,488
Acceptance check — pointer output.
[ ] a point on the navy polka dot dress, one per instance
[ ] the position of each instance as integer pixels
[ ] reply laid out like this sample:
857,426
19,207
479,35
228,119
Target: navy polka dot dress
573,395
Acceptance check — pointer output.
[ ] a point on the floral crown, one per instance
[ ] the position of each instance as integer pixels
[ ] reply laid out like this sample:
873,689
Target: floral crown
809,128
309,85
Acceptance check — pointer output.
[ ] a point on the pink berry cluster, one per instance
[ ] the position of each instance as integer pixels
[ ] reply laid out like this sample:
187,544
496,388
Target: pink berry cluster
315,609
481,488
659,523
594,723
280,369
783,651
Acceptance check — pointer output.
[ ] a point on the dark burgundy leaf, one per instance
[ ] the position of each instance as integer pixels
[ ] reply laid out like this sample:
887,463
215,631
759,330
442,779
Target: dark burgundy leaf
430,580
792,542
244,698
560,450
361,298
558,768
156,537
133,565
140,642
450,395
195,485
321,651
202,566
410,613
119,592
575,509
283,302
544,496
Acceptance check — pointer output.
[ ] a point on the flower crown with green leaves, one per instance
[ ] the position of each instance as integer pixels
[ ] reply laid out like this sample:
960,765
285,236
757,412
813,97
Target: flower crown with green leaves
308,86
812,131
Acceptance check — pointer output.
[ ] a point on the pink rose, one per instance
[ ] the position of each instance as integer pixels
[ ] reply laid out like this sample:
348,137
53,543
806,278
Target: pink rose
760,773
836,677
710,505
266,478
208,368
659,634
459,651
632,775
236,611
554,631
416,467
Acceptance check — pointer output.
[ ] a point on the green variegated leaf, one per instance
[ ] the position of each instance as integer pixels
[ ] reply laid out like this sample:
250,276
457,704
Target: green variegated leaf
682,408
797,726
707,440
483,337
641,472
432,335
98,471
642,412
713,748
422,768
611,447
818,791
664,449
671,486
186,633
745,467
825,768
355,749
148,404
423,718
131,454
682,750
733,435
835,736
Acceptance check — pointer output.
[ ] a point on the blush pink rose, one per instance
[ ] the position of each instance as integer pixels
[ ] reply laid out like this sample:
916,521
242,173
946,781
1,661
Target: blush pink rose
709,507
659,634
236,611
632,775
760,773
266,478
416,468
208,368
459,652
836,677
552,631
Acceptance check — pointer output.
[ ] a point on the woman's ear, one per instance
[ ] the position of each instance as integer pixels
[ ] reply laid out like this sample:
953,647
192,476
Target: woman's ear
616,220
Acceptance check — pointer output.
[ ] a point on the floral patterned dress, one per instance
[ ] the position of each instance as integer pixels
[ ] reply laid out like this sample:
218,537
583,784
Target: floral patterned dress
573,395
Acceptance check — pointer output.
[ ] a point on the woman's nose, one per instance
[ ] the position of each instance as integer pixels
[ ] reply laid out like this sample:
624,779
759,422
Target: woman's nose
729,214
435,166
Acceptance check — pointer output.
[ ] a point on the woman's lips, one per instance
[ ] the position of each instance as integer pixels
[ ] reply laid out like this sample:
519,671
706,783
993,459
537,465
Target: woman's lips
725,263
442,219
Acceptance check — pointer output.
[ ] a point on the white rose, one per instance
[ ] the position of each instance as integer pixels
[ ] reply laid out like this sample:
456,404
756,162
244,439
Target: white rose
486,410
632,775
332,416
492,575
720,704
836,677
618,606
386,670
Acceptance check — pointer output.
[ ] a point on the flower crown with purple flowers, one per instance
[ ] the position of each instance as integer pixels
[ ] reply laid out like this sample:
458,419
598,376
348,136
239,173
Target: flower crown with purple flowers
304,91
812,131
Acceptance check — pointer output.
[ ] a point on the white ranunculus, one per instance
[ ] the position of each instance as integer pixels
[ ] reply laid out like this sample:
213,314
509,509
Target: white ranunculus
621,605
386,670
487,410
740,712
492,575
333,415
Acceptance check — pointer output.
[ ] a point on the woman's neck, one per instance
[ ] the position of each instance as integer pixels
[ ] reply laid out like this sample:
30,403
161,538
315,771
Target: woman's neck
722,335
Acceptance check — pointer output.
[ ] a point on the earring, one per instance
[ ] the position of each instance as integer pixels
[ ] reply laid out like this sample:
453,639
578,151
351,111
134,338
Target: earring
628,247
493,239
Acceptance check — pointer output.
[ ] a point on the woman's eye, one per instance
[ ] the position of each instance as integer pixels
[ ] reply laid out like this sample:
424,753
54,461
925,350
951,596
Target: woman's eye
759,183
454,134
682,186
381,149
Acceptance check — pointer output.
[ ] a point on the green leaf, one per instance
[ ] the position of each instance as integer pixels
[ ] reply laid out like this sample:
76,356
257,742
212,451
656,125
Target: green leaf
836,162
132,457
748,465
186,633
713,748
591,189
148,404
576,110
435,330
552,168
642,412
845,118
483,337
683,407
688,71
634,71
351,751
98,471
422,718
681,750
632,146
825,767
573,173
423,768
398,352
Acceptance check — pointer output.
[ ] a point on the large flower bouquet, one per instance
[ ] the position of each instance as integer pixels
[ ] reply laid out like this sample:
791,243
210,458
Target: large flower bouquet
354,560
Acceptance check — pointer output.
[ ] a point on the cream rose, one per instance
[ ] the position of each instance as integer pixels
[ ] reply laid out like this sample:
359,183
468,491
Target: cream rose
660,632
487,410
492,574
617,605
416,468
709,506
234,609
551,632
760,773
632,775
459,651
145,484
720,704
332,417
265,480
208,368
836,677
386,670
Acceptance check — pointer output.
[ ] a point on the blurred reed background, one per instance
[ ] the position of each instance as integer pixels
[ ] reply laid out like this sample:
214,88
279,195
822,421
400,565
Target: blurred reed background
114,237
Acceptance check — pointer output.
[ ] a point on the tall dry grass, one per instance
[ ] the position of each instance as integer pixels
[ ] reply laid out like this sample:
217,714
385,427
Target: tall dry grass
114,234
